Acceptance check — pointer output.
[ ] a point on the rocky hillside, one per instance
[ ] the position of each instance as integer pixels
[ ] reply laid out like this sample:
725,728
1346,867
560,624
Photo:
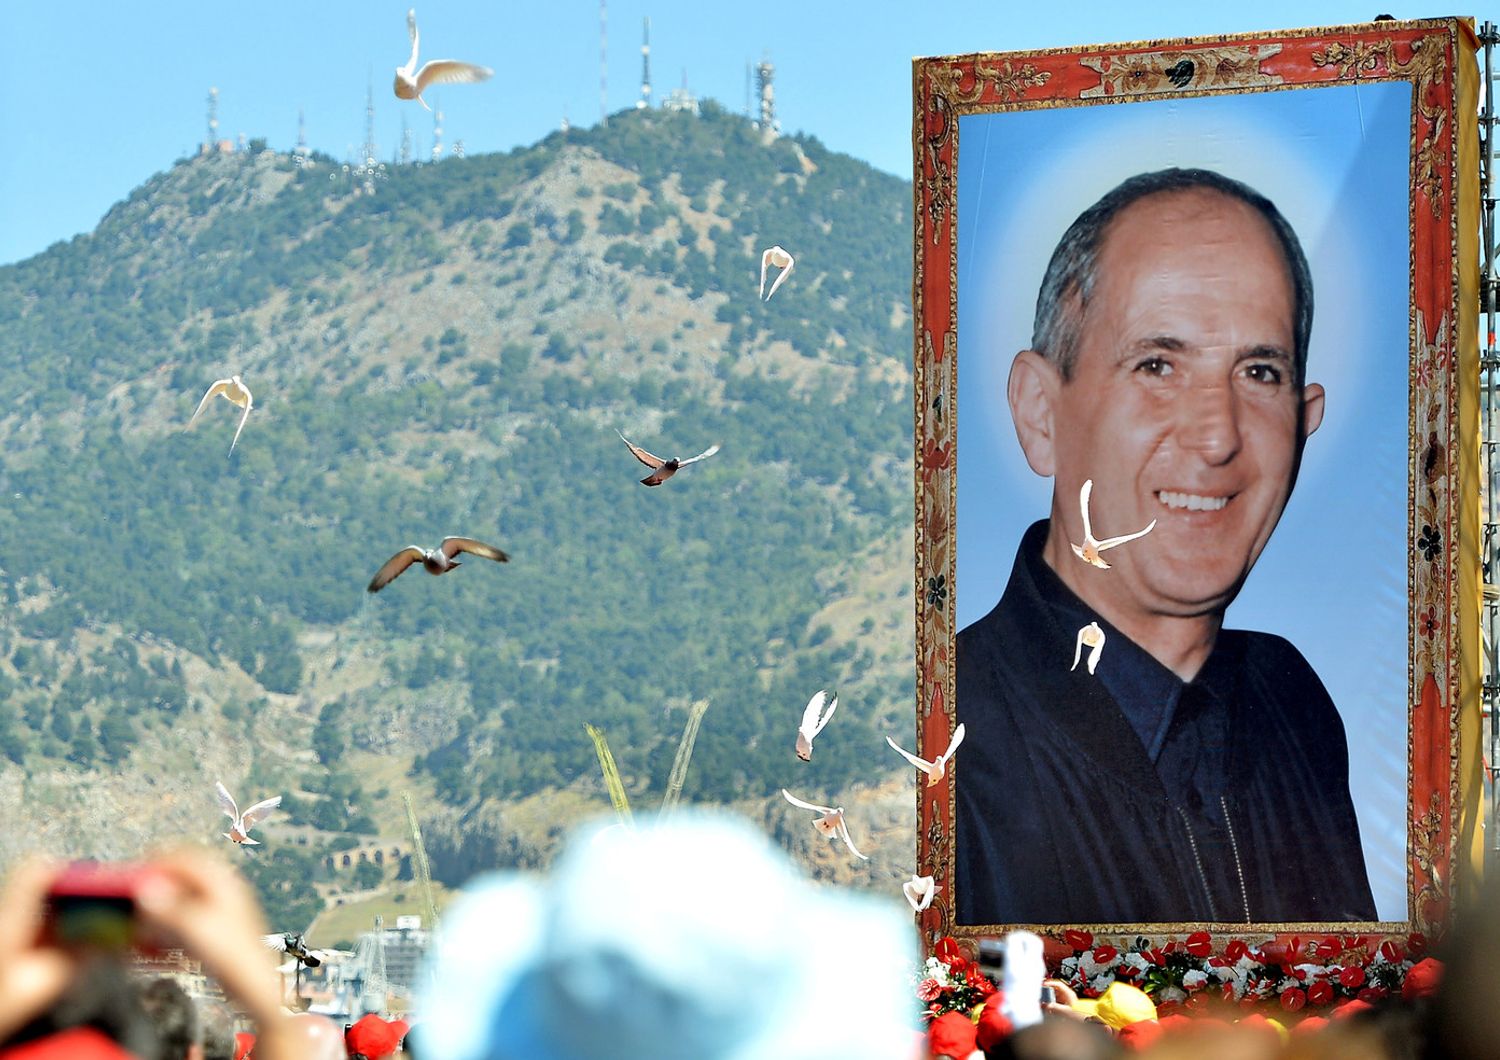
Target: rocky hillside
446,349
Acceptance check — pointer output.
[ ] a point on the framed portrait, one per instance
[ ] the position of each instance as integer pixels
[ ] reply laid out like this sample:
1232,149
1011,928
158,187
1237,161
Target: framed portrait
1197,482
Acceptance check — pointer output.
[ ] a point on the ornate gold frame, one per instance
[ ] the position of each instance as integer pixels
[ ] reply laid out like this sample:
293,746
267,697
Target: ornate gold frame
1436,57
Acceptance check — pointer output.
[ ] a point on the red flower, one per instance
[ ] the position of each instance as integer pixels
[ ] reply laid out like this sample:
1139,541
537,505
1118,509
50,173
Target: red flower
1200,944
928,990
1329,948
1293,999
1236,950
979,981
1352,977
1320,993
1372,994
947,951
1156,956
1416,944
1079,940
1392,951
934,458
1105,954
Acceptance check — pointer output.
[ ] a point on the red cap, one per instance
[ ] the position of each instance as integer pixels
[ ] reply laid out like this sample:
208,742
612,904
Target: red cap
76,1043
243,1043
994,1025
1422,979
372,1037
400,1027
1352,1007
952,1034
1140,1035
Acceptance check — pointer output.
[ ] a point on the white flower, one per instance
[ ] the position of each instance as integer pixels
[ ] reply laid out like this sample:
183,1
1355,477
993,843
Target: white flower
1089,966
1137,961
1101,982
1194,979
1068,966
1312,972
1222,974
1170,993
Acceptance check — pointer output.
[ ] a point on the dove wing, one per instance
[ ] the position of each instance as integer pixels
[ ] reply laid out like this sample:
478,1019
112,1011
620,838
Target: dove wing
651,460
276,942
958,738
920,763
790,261
411,31
452,546
710,451
1078,645
217,388
1083,501
1111,542
393,568
844,835
805,805
451,71
243,417
260,810
765,262
226,801
814,717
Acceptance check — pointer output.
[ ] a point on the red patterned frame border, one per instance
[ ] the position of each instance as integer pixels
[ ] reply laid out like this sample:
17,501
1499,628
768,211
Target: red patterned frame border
1436,56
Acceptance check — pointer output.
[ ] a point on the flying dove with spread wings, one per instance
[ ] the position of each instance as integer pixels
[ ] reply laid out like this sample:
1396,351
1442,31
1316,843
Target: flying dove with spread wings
236,393
661,470
411,82
241,823
775,258
438,560
1092,546
936,768
831,823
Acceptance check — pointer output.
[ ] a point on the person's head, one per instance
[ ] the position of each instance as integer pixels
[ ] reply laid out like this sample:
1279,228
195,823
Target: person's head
1167,365
216,1029
175,1018
318,1036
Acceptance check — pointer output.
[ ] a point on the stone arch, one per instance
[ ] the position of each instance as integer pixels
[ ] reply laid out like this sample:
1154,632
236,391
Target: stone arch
347,861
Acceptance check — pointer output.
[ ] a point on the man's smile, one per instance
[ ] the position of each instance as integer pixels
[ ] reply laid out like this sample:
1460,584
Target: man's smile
1192,502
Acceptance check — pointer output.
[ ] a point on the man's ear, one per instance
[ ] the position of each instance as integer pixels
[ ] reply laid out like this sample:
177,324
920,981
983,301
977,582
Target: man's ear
1312,408
1032,393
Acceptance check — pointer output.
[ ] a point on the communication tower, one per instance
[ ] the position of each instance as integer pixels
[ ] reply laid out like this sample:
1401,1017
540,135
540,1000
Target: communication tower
645,101
437,132
212,143
748,83
603,61
369,148
405,142
765,75
301,150
458,148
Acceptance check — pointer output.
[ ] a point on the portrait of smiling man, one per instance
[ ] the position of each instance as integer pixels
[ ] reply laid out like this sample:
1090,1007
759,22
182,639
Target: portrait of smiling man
1200,773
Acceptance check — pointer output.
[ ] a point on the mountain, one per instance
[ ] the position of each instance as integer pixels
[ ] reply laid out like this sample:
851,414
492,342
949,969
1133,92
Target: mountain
450,349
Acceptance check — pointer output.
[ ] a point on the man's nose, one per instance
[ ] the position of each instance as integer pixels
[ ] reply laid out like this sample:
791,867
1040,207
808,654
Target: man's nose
1210,423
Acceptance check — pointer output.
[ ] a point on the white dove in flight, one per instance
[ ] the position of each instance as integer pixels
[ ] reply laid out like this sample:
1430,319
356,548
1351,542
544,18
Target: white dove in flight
661,470
781,260
814,717
937,768
1093,636
411,82
241,823
919,891
831,823
236,393
1092,546
438,560
294,945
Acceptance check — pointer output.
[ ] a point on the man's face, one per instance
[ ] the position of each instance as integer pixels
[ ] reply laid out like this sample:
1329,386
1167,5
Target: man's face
1183,405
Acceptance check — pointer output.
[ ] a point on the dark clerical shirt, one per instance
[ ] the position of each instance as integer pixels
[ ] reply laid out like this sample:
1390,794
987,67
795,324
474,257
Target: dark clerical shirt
1132,797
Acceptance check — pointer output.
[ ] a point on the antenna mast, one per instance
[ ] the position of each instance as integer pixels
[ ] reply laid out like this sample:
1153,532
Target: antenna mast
645,101
213,121
603,61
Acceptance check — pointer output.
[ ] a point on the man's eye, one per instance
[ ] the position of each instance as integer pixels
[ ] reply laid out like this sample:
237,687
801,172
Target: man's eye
1154,366
1264,373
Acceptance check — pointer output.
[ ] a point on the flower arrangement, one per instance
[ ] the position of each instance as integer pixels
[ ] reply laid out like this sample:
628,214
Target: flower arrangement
949,982
1289,971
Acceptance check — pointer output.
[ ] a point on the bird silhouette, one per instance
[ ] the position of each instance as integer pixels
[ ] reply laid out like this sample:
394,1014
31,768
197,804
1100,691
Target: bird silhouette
438,560
814,717
936,768
830,824
411,82
781,260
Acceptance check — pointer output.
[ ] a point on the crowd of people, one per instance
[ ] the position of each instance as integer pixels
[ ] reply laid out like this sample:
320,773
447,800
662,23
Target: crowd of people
691,937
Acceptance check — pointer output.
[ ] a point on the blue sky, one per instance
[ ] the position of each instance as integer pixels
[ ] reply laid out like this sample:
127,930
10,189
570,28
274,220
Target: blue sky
96,96
1334,160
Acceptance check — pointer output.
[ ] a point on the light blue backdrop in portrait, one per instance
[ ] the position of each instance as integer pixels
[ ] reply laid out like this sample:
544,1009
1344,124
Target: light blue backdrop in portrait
1332,580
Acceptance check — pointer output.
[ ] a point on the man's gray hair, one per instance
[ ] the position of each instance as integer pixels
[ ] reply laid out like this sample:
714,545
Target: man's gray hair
1073,270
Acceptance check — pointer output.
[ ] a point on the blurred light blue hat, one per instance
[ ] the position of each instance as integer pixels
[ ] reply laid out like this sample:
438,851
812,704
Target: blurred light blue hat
691,938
